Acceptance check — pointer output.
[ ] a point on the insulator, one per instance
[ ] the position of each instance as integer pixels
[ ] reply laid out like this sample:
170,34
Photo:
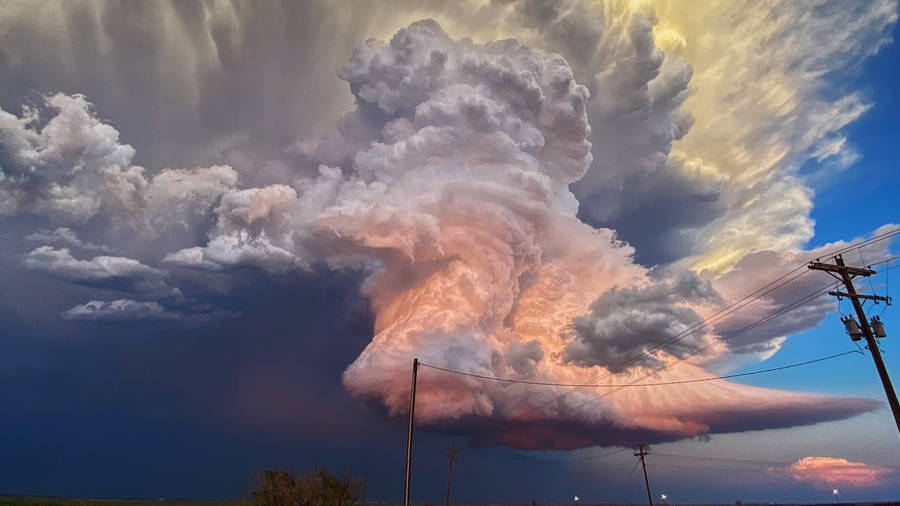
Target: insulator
878,327
852,328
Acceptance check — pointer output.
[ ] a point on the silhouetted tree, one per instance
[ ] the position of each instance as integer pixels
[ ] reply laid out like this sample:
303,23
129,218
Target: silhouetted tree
321,488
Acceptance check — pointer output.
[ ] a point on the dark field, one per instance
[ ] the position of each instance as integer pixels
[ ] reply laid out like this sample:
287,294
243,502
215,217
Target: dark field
64,501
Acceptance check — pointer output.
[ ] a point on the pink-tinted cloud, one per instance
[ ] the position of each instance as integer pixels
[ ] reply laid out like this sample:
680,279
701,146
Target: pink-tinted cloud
834,471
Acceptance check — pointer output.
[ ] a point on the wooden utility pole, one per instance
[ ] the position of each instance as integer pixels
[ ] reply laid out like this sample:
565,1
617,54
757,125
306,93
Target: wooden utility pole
409,435
845,274
452,454
641,454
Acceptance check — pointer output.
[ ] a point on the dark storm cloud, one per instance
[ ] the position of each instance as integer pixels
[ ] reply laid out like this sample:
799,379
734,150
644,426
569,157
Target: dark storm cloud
629,322
636,113
443,110
153,404
657,212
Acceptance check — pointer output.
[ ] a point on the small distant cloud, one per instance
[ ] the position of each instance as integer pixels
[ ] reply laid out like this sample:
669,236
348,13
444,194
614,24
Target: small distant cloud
128,310
119,310
111,272
834,471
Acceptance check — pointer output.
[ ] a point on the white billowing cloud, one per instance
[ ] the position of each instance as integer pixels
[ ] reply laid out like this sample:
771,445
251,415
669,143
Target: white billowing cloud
253,228
68,169
182,196
119,273
74,169
123,310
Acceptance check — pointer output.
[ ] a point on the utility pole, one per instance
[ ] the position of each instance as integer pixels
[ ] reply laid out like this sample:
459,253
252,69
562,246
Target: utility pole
845,274
641,454
452,454
409,435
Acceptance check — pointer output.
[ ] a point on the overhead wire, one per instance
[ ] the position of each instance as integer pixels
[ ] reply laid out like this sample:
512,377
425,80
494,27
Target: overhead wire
719,315
784,309
887,287
869,279
618,387
652,464
623,385
633,469
720,459
598,457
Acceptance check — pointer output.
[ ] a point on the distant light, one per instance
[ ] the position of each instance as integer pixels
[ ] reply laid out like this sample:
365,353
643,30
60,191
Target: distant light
576,498
663,497
834,492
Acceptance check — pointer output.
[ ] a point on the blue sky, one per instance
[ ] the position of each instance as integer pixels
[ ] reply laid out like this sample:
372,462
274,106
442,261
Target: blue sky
228,231
848,205
865,187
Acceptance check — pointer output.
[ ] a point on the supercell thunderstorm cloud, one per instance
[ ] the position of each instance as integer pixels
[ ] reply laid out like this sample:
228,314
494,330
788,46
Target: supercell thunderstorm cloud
514,206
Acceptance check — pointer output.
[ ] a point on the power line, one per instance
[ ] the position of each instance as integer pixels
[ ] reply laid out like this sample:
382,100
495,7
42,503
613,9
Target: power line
706,468
588,458
747,328
722,313
622,385
722,459
760,292
598,457
782,310
765,290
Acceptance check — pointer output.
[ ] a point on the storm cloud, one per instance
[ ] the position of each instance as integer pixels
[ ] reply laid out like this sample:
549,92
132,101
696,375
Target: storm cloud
502,199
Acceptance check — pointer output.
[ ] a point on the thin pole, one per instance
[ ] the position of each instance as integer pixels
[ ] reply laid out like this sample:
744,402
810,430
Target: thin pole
452,454
409,435
873,344
641,453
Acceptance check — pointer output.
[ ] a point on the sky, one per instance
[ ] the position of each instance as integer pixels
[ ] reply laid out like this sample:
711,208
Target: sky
229,227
